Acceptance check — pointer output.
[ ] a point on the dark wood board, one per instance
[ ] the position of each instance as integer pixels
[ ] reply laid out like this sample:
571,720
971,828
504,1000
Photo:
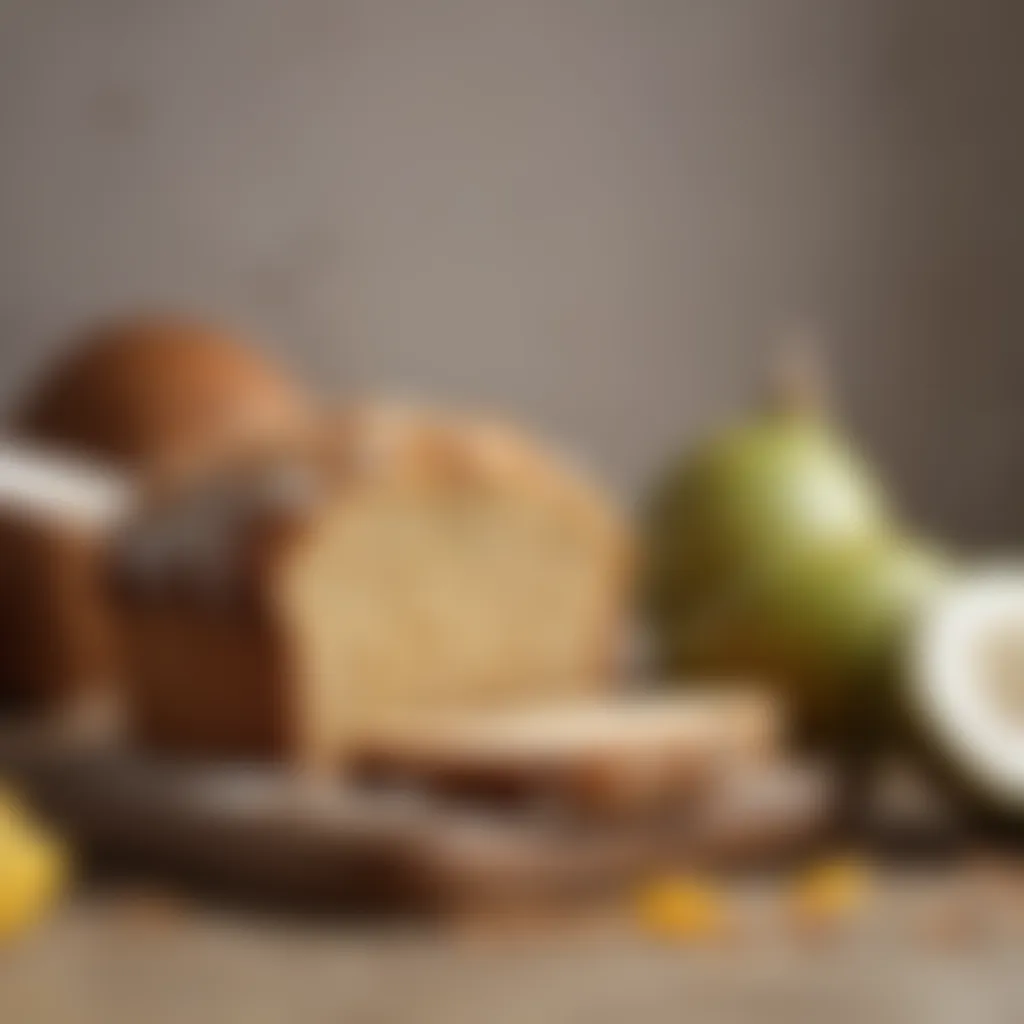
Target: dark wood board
264,832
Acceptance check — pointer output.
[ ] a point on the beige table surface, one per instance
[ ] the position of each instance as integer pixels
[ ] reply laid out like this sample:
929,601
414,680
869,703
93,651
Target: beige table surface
113,958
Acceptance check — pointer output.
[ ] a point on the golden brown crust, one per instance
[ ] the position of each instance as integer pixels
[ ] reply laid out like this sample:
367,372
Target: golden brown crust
153,391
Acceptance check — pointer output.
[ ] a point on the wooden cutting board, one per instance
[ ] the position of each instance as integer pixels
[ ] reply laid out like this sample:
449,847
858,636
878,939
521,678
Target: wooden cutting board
263,833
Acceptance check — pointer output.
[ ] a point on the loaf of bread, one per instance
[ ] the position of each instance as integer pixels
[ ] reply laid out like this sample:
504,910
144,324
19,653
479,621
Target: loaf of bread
140,397
55,635
402,562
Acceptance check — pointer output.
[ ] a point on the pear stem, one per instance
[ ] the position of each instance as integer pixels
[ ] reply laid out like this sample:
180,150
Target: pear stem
797,383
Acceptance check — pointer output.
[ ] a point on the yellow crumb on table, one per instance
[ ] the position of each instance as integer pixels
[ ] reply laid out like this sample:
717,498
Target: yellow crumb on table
830,893
683,908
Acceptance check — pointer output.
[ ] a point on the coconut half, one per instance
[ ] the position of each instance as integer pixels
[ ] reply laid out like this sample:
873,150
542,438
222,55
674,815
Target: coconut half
965,686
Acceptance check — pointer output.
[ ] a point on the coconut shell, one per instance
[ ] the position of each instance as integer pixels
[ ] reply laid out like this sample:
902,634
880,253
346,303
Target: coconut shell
155,391
150,397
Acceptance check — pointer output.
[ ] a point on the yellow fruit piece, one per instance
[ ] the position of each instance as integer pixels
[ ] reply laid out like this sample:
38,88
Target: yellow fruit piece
683,909
33,871
831,892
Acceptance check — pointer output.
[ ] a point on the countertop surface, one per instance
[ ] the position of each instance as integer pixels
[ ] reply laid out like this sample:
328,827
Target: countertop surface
940,947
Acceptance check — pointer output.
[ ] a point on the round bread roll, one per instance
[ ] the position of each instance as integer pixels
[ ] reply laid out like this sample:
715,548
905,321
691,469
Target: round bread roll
156,392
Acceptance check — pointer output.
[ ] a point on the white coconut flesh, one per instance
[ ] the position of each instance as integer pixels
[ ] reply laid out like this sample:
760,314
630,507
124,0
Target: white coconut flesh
966,684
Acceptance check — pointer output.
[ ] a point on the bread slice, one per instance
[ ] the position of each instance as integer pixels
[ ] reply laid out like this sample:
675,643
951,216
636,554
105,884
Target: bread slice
593,758
403,562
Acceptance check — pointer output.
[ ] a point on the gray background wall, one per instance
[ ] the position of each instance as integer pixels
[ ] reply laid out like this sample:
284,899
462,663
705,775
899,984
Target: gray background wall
595,214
